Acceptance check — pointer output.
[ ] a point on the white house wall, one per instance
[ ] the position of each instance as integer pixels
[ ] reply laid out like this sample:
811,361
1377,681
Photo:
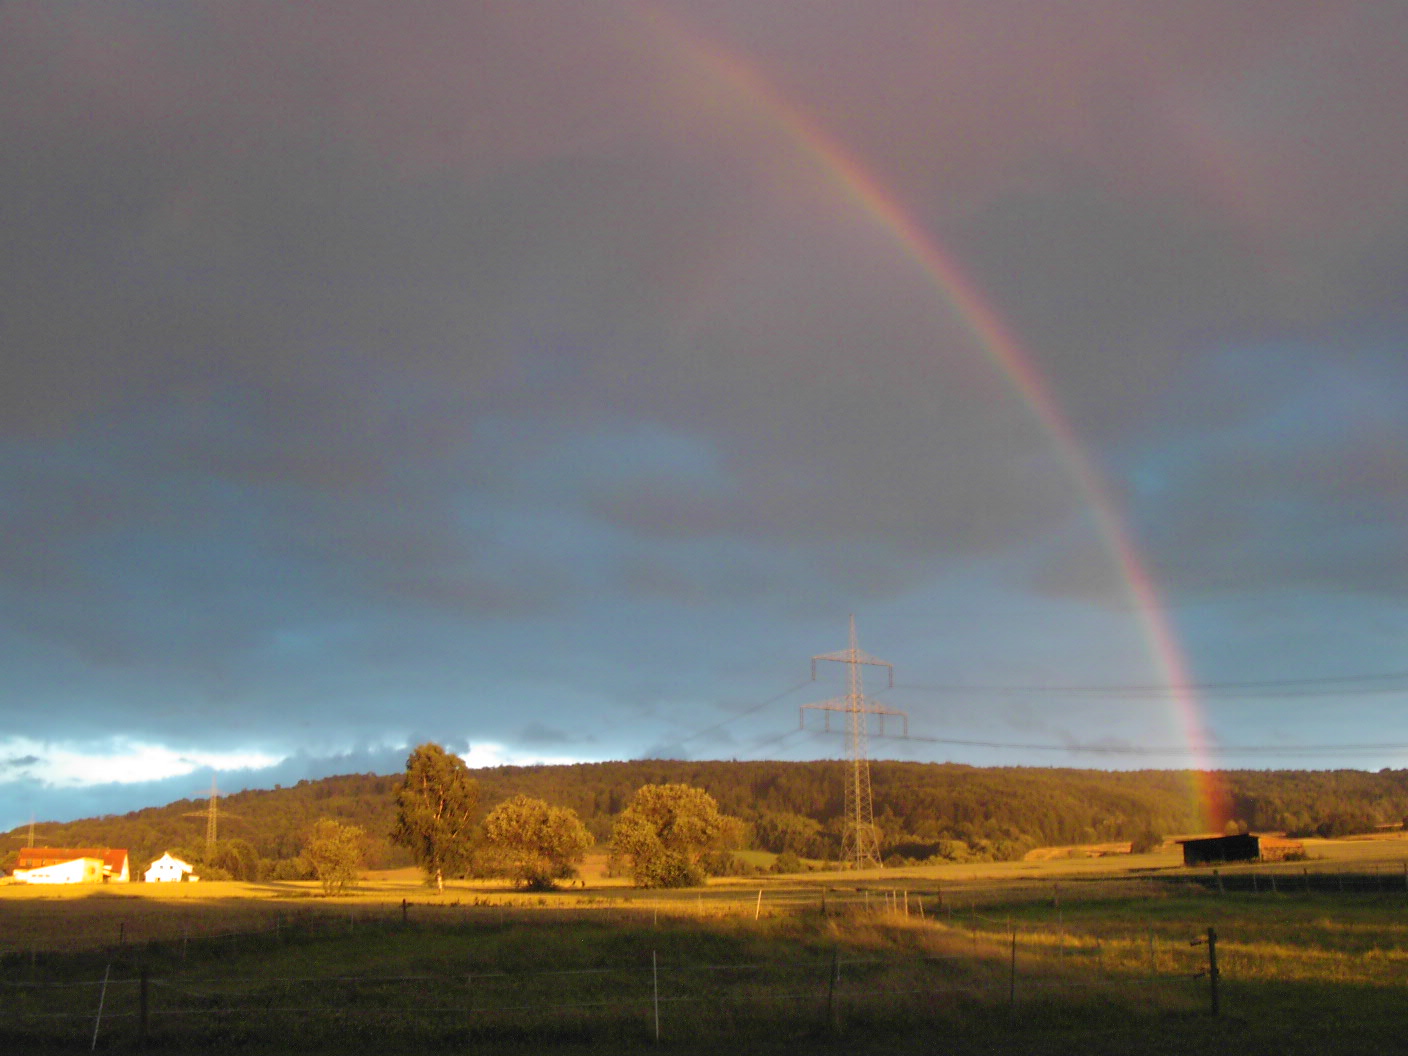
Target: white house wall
78,871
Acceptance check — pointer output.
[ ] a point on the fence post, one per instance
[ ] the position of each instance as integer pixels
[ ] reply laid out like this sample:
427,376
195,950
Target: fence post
142,1008
758,909
1213,975
655,985
1217,875
102,997
1012,969
831,978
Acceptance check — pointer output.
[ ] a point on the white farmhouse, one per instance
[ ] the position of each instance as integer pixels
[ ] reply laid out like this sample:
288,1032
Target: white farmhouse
169,869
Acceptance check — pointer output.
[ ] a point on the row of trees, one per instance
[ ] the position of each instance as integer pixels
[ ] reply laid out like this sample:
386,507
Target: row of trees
667,833
923,810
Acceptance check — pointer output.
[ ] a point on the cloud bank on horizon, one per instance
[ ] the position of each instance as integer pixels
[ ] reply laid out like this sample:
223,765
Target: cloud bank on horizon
528,376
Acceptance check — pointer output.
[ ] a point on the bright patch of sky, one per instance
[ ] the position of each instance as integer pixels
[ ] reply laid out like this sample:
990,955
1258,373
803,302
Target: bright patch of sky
118,760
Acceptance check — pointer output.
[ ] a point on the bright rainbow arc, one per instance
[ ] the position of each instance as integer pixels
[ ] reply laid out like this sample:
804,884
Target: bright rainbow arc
861,186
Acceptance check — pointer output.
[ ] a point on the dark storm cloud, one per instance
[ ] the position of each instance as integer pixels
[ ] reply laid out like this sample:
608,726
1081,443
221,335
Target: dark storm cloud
365,364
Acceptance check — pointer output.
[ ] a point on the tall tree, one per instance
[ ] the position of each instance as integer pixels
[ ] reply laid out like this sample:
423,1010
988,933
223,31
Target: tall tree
435,805
666,831
335,852
535,844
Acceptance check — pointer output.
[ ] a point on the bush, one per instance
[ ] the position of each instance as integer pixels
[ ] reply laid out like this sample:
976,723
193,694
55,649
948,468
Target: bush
787,862
1145,842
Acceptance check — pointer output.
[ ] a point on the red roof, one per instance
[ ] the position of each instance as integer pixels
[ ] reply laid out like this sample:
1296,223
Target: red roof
114,859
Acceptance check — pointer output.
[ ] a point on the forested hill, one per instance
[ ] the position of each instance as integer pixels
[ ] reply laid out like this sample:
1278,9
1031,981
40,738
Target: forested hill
924,810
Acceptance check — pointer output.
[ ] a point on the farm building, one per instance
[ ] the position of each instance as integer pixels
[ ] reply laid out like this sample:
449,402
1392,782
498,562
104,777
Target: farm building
1213,849
46,865
169,869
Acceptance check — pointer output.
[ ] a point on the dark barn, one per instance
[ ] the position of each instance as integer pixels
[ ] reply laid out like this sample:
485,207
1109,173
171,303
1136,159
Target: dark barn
1216,849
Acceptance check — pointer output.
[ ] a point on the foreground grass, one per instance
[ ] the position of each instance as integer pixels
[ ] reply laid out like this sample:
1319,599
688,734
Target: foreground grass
1106,969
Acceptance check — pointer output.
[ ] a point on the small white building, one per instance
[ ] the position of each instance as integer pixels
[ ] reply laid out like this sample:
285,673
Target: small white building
169,869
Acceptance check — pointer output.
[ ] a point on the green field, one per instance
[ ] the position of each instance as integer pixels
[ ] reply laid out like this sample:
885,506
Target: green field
1052,957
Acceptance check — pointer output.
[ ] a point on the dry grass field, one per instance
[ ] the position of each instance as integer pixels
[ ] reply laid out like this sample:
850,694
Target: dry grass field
1066,954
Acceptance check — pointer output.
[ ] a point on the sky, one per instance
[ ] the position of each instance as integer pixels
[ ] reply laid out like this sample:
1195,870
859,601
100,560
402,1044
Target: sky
554,380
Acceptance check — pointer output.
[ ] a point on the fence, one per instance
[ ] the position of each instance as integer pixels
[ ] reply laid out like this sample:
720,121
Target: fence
182,994
167,980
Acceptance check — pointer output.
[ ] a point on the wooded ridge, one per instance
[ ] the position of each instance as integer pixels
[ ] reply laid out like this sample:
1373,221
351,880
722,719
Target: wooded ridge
924,810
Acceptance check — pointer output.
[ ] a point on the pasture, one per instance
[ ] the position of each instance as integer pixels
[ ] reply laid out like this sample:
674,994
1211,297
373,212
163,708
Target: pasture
1063,955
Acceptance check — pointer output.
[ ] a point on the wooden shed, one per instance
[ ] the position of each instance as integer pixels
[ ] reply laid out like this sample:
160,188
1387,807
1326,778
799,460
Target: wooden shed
1214,849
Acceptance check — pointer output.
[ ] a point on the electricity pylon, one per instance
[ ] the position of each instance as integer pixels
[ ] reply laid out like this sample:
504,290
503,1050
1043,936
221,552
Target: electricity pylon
860,843
210,814
30,844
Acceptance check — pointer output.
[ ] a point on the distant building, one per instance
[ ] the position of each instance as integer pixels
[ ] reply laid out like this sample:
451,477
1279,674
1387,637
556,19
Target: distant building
73,871
1214,849
113,865
169,870
37,864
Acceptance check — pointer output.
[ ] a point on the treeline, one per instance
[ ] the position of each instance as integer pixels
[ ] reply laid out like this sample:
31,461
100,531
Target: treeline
924,810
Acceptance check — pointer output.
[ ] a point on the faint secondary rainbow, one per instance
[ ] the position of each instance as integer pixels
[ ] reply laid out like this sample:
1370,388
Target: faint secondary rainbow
860,185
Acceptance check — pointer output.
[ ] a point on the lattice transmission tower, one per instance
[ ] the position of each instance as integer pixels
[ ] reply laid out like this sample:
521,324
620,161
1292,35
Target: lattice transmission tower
860,842
211,815
30,844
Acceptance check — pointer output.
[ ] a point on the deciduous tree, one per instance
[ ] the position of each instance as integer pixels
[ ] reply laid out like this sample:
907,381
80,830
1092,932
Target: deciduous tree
666,831
335,852
535,844
435,805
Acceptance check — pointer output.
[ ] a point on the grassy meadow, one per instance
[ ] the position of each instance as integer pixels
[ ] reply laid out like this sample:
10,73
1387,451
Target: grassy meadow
1062,955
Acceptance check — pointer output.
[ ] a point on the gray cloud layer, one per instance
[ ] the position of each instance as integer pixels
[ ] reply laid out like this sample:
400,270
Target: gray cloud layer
363,360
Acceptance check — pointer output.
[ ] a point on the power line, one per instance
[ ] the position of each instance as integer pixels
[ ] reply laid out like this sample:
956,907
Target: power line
1359,683
743,714
1330,685
1134,751
1183,749
778,739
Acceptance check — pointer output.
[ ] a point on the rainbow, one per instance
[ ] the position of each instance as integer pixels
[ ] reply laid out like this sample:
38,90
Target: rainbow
859,185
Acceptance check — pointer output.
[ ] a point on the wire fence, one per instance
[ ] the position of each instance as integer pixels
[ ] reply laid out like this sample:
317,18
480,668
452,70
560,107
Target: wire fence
175,994
186,982
648,998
